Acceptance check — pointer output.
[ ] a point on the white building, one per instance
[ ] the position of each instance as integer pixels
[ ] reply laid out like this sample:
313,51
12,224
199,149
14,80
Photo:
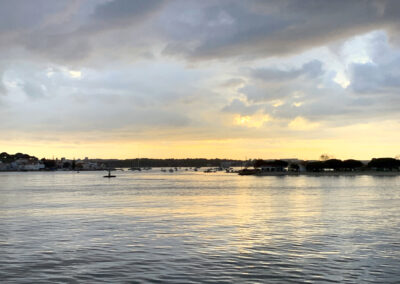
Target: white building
26,165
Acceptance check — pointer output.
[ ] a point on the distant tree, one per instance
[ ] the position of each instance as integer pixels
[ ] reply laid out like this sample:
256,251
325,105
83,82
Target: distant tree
352,164
325,157
334,164
49,164
276,163
21,156
384,163
5,157
280,163
258,163
315,166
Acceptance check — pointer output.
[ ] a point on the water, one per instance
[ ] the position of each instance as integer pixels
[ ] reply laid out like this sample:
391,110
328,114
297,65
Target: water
188,227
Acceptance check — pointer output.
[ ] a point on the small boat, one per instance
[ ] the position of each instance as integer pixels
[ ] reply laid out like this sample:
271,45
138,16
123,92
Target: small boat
135,169
171,170
109,175
229,170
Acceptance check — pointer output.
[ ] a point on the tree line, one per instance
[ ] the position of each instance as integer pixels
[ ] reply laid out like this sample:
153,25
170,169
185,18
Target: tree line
333,164
9,158
147,162
314,166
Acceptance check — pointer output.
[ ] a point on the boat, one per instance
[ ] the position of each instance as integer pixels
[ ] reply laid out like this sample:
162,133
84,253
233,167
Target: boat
135,169
229,170
171,170
109,175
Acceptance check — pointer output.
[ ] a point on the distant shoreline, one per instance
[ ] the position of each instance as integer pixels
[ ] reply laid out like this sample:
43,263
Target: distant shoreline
354,173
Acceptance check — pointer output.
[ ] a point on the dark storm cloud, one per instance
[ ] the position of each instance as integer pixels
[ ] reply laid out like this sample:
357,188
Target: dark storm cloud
70,31
251,29
21,14
120,11
195,30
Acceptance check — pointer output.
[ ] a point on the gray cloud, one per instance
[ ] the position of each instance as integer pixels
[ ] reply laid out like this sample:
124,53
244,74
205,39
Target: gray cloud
376,78
267,84
19,15
312,69
77,30
74,31
120,12
268,28
33,90
239,107
310,91
133,57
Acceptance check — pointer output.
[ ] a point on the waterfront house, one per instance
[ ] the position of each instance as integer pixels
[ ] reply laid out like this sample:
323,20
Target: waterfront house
24,164
274,166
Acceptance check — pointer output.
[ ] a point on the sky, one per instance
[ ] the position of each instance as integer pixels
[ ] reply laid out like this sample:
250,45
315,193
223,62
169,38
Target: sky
214,79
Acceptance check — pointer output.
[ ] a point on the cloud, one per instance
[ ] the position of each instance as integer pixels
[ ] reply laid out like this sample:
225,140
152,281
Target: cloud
254,29
18,15
75,74
3,89
274,84
72,31
238,106
186,69
301,124
99,30
33,90
122,12
233,83
252,121
312,69
376,77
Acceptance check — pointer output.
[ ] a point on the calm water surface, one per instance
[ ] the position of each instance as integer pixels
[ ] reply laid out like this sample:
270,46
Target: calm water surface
188,227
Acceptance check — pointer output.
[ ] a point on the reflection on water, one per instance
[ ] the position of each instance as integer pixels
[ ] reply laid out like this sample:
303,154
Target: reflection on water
195,227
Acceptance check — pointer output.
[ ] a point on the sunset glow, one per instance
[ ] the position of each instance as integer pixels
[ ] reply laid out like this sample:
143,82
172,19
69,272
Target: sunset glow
193,79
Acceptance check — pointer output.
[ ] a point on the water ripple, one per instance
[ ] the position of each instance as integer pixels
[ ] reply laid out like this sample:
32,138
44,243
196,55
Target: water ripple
187,227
